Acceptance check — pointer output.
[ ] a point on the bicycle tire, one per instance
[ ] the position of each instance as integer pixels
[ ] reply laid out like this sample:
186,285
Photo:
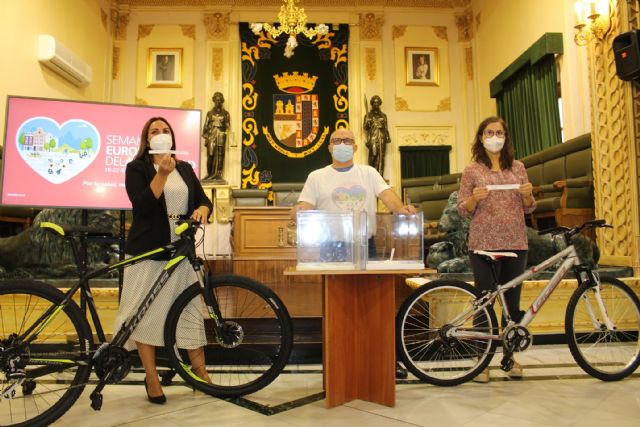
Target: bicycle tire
420,328
66,336
260,354
602,353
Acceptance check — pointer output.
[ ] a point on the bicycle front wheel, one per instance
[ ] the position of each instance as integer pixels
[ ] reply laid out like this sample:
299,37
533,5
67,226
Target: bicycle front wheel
257,340
424,342
604,339
40,381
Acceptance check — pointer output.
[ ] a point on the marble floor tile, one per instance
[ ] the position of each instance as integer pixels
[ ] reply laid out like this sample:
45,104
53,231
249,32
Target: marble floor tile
554,392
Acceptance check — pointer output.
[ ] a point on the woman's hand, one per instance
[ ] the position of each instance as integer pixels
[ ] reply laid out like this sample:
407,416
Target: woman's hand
167,165
201,214
526,190
480,193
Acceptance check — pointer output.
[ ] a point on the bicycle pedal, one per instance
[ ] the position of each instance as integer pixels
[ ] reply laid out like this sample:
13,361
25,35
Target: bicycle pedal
96,400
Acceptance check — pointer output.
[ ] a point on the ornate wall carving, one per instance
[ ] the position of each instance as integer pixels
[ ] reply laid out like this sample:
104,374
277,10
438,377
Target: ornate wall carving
144,30
371,26
115,63
401,104
447,4
140,101
119,23
398,31
370,62
468,61
441,32
188,103
188,30
216,62
464,22
217,25
610,130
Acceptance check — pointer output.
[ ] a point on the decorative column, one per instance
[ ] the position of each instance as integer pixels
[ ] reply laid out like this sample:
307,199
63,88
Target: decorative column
615,118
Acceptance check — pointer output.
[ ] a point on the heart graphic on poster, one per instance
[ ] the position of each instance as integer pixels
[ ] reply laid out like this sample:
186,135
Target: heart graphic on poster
57,152
349,199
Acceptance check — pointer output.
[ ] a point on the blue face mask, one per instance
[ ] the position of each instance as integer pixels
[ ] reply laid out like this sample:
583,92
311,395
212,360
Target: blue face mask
342,152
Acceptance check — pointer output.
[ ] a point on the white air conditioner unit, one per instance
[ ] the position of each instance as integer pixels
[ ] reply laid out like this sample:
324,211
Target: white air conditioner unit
64,62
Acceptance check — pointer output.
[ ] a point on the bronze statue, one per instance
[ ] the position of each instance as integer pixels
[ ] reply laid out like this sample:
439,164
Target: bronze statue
377,134
215,137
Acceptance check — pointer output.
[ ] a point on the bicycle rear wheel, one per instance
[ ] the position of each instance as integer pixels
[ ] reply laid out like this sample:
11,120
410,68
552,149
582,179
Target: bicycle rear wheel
257,326
605,353
421,333
55,364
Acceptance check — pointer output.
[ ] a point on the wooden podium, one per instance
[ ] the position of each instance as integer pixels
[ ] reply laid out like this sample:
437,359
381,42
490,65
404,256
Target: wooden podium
358,334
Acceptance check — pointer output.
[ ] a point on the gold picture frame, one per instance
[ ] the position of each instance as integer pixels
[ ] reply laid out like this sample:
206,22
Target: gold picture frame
164,68
422,67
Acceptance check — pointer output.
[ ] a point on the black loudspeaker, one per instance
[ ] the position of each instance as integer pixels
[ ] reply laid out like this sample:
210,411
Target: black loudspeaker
626,51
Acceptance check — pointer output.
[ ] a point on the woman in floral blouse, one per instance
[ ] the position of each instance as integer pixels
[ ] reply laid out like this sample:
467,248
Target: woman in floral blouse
497,215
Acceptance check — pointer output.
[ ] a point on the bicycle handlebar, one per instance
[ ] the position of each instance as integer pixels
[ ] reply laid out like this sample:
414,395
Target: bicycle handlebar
575,230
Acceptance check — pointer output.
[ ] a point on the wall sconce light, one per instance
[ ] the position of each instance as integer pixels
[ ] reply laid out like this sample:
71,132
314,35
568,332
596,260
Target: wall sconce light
593,19
293,21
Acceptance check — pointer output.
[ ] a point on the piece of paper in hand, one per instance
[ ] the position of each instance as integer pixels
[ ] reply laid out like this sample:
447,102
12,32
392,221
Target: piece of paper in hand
182,153
492,187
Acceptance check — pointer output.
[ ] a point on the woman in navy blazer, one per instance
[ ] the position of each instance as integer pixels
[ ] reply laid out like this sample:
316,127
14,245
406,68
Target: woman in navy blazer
162,189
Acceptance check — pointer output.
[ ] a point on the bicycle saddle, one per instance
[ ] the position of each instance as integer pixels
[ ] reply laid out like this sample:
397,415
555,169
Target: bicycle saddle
494,256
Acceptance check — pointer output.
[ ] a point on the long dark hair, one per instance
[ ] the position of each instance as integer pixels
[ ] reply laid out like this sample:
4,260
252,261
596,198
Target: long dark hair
478,152
143,149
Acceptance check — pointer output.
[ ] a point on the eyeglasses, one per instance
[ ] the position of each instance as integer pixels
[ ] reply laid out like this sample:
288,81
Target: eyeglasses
346,141
489,133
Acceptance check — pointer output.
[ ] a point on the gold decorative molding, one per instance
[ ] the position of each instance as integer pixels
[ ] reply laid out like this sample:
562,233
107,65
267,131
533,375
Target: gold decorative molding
433,4
398,31
216,62
188,103
115,63
140,101
188,30
478,19
444,105
464,22
371,26
119,23
144,30
468,59
370,62
401,104
441,32
610,145
103,19
217,25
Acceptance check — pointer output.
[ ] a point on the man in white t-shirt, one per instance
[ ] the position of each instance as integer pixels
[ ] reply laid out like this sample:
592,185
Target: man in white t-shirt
345,186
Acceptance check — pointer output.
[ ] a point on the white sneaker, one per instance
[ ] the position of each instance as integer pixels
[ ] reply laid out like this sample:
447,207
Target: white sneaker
483,377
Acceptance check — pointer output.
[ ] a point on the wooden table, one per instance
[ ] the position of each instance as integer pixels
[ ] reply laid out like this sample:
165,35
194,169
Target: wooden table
358,334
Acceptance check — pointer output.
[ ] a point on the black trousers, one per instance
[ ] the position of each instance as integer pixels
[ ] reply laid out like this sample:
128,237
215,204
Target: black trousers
506,268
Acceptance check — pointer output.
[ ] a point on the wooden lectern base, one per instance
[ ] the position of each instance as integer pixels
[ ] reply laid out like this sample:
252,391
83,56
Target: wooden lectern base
359,338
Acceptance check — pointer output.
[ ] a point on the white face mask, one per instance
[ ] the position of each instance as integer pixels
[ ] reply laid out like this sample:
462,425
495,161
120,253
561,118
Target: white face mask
493,144
161,142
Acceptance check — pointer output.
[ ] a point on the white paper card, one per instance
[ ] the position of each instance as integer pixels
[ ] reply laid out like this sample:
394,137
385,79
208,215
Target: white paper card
168,152
492,187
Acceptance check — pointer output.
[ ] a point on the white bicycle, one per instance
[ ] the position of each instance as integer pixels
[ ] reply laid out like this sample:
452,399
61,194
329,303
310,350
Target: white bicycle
447,331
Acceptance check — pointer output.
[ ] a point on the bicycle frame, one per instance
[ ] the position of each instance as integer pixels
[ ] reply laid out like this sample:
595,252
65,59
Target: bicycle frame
569,258
177,251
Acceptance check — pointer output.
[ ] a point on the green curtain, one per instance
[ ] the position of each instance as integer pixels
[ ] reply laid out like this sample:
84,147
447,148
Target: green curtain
416,161
529,105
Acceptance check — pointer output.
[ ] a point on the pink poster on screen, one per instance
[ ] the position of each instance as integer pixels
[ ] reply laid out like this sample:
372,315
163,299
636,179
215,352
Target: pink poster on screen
74,154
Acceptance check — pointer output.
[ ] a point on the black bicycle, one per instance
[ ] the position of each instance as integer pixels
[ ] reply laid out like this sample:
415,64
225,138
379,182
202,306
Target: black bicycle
47,348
